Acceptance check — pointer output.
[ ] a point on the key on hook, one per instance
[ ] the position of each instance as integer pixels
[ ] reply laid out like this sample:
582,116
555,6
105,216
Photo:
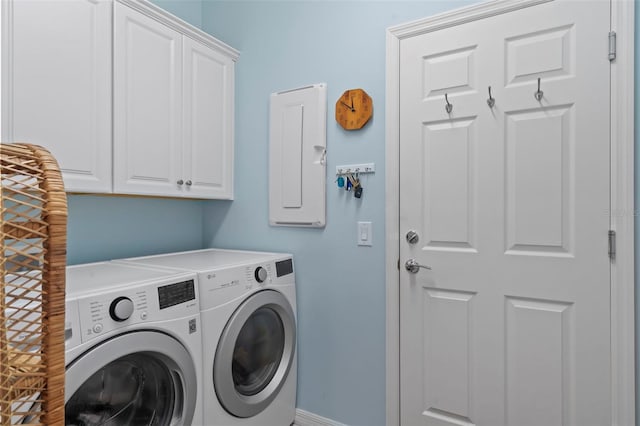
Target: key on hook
448,107
491,101
539,93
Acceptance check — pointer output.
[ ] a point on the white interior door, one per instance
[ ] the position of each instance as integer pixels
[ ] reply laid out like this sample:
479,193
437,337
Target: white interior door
511,326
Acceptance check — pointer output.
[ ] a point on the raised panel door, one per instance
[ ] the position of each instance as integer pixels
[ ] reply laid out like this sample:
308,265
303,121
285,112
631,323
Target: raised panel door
208,121
147,105
57,85
511,326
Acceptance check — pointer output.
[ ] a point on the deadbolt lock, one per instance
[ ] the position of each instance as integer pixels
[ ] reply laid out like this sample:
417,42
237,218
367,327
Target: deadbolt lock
412,237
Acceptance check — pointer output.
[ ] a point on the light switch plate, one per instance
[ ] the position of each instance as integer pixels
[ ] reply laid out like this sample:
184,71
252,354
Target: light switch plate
365,234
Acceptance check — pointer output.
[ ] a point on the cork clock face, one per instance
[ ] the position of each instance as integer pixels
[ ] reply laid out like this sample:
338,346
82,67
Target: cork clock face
353,109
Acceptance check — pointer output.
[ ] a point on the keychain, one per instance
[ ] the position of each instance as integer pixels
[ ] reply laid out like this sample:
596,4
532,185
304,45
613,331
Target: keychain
357,187
350,181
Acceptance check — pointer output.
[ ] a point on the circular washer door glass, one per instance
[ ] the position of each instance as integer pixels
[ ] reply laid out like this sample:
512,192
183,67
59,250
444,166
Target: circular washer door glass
135,389
258,351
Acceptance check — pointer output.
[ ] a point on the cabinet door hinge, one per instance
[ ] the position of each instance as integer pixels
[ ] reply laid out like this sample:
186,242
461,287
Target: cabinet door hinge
612,244
612,45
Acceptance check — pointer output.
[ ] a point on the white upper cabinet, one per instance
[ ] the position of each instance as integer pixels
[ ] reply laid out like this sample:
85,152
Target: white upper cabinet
173,101
57,85
171,98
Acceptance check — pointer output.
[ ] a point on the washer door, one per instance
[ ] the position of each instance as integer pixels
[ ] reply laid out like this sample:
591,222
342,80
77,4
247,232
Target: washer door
255,353
139,378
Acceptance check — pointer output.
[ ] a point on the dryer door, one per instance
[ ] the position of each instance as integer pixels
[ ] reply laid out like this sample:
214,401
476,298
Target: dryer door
139,378
255,353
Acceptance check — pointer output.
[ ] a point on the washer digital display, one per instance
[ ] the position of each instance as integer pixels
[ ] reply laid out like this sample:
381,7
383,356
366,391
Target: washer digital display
174,294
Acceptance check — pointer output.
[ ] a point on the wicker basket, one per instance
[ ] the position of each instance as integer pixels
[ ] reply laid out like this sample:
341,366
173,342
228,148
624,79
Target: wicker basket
33,239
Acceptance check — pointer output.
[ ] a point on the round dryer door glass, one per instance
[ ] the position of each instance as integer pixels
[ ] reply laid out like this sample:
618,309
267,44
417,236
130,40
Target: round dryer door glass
135,389
254,353
258,351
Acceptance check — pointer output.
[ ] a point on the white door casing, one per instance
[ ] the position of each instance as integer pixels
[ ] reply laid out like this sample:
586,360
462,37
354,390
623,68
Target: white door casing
484,212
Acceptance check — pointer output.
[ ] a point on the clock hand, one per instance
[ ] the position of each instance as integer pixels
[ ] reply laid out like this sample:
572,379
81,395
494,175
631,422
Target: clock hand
350,107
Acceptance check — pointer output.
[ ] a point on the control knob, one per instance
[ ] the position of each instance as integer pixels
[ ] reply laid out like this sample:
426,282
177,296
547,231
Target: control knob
121,309
260,274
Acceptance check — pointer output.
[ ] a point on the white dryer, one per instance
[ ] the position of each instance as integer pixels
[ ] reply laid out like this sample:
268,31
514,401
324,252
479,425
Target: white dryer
133,346
248,312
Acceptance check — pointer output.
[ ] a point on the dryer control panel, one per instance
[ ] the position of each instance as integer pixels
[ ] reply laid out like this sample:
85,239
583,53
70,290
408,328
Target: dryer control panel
219,285
123,306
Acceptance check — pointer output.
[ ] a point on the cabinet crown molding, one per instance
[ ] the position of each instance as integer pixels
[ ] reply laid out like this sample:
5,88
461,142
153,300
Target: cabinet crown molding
159,14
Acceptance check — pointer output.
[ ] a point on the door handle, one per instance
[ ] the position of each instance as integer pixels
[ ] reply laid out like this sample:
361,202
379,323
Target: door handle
413,266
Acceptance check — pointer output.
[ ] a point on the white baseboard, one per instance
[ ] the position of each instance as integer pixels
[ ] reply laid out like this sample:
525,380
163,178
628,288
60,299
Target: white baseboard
305,418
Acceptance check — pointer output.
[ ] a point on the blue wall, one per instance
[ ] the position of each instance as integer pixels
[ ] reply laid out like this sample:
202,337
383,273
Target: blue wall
341,287
102,228
187,10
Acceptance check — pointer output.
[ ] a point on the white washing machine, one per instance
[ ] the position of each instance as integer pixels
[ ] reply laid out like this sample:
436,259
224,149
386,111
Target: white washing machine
248,312
133,346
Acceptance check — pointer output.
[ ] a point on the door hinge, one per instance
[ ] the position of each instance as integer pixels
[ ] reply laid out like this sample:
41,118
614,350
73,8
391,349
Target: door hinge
612,244
398,264
612,45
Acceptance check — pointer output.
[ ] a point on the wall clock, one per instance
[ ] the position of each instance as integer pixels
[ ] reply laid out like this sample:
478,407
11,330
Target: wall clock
353,109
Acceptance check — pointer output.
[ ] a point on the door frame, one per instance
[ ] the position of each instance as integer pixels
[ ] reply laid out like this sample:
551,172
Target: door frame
622,197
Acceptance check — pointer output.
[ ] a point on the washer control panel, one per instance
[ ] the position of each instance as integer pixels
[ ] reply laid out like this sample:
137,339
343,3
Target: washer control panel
124,306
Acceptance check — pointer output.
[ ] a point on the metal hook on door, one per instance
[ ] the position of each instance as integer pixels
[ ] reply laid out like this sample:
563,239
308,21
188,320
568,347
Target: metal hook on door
448,107
491,101
539,93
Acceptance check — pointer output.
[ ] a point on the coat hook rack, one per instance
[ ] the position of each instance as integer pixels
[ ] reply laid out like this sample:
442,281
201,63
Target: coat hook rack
539,93
355,168
491,101
348,177
448,107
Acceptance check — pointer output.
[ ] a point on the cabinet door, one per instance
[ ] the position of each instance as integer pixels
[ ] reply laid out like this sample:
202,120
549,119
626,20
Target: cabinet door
208,121
147,105
57,85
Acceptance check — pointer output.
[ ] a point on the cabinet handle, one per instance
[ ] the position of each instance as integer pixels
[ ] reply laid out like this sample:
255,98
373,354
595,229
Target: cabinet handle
180,182
188,183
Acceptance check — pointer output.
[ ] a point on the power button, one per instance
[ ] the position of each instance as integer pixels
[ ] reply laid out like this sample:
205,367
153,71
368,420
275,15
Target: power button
97,328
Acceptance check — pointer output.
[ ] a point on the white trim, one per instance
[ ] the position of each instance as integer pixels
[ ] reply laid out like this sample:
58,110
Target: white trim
1,70
622,218
6,48
460,16
622,198
392,223
305,418
159,14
